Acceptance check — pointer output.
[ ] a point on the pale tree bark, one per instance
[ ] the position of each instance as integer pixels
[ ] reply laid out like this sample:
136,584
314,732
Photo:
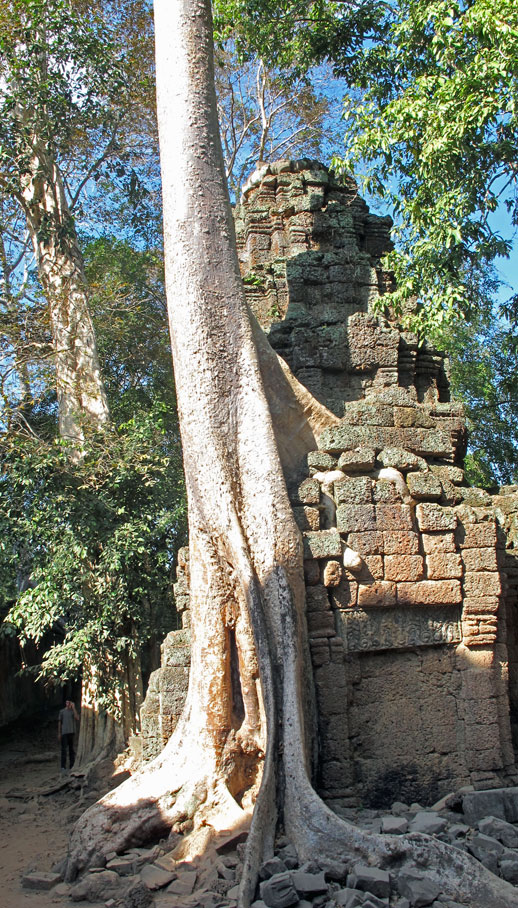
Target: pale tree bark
81,396
82,406
244,739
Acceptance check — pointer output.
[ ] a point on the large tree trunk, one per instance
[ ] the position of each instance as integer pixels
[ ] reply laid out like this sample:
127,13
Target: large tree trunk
82,405
244,737
81,396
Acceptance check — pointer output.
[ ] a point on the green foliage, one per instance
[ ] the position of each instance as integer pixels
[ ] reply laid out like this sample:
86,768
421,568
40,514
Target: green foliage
484,374
435,125
87,549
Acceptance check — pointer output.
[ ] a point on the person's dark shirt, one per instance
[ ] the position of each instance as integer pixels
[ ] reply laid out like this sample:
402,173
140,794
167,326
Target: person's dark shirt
66,717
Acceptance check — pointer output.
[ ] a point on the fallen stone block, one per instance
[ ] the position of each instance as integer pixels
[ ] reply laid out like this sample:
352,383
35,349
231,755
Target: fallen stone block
96,887
271,867
508,868
310,884
124,866
428,822
278,891
479,804
41,880
499,829
486,850
417,888
394,825
156,877
349,898
139,896
369,879
184,884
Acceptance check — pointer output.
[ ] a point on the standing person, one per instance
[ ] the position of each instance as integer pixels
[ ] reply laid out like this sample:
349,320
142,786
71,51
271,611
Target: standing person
66,730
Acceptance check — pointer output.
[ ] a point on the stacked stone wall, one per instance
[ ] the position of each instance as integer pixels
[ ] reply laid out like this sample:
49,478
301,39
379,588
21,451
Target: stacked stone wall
411,574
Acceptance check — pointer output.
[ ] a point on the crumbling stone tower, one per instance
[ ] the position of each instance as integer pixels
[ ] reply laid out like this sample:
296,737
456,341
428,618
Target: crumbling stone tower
410,574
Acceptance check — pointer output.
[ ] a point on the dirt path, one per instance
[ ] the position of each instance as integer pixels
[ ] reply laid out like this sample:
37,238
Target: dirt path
34,827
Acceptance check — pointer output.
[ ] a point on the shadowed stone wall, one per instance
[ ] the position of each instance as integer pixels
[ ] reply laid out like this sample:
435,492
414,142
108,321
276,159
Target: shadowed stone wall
411,575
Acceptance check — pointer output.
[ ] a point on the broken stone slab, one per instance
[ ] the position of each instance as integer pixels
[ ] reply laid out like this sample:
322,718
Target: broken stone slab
271,867
323,544
417,888
156,877
310,884
401,459
360,460
499,829
369,879
39,879
124,866
278,891
428,823
184,884
96,886
479,804
394,825
349,898
508,868
486,850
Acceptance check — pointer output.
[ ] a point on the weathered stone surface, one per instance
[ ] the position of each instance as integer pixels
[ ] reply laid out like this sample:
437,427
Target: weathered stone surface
428,822
370,879
308,492
508,869
319,460
482,583
39,879
424,485
417,888
355,518
444,566
184,884
432,518
368,543
325,544
156,877
396,517
404,567
307,518
386,629
499,829
486,849
477,535
400,542
479,804
430,592
278,891
435,543
332,573
309,884
96,887
359,460
271,867
401,459
381,592
479,559
354,490
394,825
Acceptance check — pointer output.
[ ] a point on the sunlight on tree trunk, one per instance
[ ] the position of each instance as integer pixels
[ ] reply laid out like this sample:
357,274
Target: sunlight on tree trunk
245,738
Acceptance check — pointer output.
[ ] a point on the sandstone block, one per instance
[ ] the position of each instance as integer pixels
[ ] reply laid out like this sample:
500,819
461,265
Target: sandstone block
308,492
431,518
357,490
311,572
404,417
393,517
481,583
403,567
480,559
319,460
320,654
379,593
355,518
477,498
325,544
424,485
317,599
270,867
477,535
372,568
400,542
370,543
433,543
500,830
337,439
156,877
387,492
332,573
307,518
39,879
428,822
401,459
417,888
360,460
370,879
309,884
394,825
448,473
479,804
321,624
368,413
345,595
429,592
485,605
444,566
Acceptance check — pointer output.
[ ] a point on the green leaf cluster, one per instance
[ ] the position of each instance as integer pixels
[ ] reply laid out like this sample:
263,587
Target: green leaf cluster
87,549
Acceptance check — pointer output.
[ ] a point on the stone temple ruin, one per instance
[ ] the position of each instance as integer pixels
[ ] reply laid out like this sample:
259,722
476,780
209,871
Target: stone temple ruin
411,574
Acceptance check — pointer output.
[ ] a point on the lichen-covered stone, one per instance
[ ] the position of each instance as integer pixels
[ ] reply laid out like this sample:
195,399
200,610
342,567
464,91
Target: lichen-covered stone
424,485
359,460
401,459
434,518
324,544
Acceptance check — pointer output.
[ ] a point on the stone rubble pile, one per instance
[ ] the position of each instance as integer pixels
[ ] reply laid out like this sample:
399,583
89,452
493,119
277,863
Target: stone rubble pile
482,823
